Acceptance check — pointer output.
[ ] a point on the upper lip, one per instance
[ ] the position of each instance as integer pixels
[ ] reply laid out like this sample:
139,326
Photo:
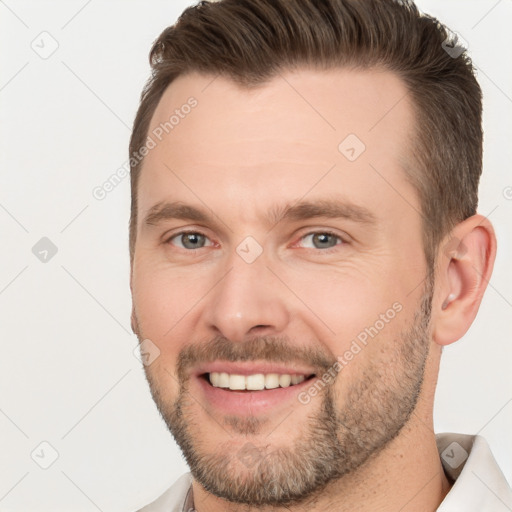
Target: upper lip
251,368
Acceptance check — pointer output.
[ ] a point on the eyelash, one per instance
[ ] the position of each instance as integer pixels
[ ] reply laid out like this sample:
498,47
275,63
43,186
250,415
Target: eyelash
321,232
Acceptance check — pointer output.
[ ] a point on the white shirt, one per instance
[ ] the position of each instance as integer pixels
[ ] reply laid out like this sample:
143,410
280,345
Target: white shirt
479,485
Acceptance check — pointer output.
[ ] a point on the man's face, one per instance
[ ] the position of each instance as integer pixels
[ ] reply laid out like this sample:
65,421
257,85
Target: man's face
331,309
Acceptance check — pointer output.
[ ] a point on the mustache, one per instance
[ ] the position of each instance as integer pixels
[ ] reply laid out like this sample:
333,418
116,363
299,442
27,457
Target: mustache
266,348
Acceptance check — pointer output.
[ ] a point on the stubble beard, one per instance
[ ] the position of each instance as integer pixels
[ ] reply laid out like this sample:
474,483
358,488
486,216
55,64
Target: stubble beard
331,443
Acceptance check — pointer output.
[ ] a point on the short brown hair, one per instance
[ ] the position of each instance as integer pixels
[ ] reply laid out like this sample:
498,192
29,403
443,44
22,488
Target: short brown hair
252,41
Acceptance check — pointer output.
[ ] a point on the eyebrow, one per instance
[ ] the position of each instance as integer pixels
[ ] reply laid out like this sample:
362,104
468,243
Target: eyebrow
302,210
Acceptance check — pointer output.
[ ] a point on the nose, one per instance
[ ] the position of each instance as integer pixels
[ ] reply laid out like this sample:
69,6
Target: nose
249,300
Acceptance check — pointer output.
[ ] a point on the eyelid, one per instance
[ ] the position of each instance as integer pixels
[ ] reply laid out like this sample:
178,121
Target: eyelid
324,231
344,238
168,238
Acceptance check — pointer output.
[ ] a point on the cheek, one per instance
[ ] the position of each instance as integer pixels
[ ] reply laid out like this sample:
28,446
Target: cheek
164,304
349,302
168,303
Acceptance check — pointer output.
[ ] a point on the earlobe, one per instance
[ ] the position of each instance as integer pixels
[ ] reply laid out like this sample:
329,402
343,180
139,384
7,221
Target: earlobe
465,263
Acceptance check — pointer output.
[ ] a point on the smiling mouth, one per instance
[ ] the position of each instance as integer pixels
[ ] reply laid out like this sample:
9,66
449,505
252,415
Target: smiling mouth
254,382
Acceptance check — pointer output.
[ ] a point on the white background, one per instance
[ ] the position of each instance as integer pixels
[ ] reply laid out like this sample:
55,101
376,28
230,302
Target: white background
68,375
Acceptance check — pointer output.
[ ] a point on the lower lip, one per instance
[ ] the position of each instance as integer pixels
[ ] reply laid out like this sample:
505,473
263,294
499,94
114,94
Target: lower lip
244,403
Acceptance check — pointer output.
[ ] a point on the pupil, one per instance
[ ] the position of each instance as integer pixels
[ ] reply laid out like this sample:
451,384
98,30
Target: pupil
192,238
323,238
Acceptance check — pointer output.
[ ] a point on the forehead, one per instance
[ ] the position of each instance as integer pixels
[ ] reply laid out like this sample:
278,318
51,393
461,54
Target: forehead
212,136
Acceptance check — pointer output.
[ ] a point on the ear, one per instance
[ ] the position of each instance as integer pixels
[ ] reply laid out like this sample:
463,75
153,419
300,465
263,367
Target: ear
465,262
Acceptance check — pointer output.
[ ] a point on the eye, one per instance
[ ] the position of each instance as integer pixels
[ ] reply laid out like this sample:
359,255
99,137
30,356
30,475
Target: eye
324,240
189,240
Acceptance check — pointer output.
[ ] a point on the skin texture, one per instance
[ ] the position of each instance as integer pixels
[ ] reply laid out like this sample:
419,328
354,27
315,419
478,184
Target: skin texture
366,441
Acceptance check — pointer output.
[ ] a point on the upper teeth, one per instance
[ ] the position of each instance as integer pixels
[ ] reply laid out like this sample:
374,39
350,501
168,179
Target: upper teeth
254,382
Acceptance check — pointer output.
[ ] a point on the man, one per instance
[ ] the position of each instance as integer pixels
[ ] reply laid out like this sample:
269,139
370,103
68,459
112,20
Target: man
304,241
